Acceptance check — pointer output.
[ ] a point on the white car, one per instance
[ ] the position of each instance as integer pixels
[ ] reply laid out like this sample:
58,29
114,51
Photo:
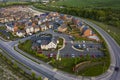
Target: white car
51,55
73,55
84,46
30,34
83,41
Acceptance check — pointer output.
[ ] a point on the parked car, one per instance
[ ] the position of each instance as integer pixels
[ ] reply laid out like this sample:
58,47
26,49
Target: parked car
116,68
51,55
72,38
65,43
54,55
93,56
73,55
81,55
48,55
67,55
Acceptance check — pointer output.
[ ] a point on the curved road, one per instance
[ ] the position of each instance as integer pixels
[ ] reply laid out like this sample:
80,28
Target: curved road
39,68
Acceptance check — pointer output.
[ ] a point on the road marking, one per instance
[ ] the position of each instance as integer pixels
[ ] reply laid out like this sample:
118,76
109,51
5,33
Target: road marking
110,71
49,62
80,77
113,65
1,50
54,69
86,79
45,78
58,55
71,42
93,78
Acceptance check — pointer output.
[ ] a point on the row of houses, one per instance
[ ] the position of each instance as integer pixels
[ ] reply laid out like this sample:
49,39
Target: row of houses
23,30
37,23
52,20
85,29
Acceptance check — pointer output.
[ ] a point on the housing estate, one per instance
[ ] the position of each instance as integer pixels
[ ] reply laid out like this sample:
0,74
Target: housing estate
51,20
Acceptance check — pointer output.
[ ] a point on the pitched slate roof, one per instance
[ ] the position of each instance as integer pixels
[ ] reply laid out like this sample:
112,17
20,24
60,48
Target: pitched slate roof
45,42
44,39
11,24
54,39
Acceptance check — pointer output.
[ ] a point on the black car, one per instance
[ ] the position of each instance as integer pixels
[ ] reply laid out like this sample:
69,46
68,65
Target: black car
116,68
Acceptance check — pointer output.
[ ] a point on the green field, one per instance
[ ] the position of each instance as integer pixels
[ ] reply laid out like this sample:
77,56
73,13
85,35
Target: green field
89,3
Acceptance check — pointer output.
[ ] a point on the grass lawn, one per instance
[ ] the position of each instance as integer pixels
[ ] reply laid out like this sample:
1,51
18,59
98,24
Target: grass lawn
89,3
113,31
60,44
95,68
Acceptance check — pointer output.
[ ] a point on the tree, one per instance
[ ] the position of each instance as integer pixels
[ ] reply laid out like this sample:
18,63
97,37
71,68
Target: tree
101,15
33,75
15,66
39,78
76,60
